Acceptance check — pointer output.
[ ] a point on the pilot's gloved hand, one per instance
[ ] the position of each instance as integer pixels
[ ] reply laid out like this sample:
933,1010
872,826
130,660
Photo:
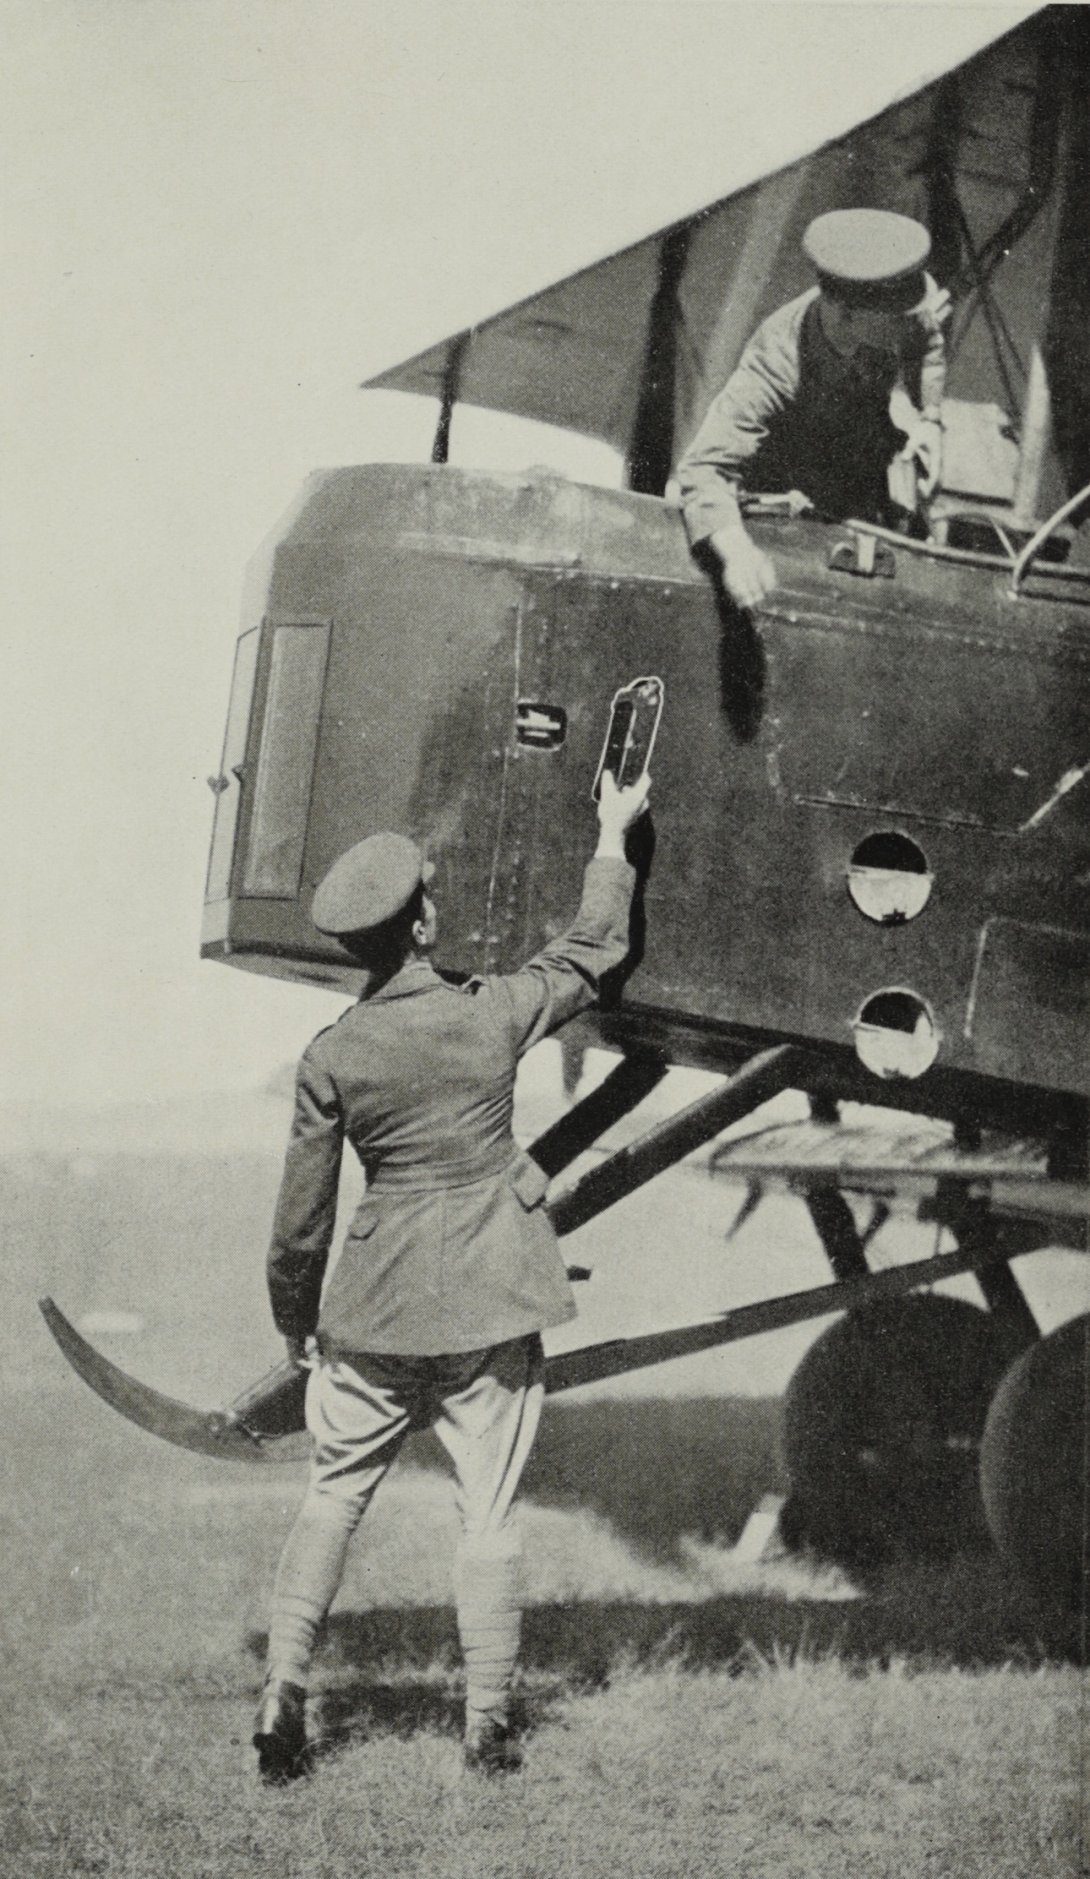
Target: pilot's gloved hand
922,448
749,575
925,447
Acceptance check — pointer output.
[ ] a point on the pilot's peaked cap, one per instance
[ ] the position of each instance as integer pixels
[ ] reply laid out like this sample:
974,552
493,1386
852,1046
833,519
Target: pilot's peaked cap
369,884
870,257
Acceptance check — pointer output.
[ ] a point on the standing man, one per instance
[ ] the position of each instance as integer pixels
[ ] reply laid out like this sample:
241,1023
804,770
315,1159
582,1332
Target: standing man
838,396
450,1270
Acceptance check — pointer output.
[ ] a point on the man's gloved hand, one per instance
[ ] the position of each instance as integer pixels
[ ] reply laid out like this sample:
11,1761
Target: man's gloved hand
302,1351
618,809
749,575
924,446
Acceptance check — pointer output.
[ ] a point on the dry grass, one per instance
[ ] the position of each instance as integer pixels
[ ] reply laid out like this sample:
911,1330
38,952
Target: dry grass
684,1715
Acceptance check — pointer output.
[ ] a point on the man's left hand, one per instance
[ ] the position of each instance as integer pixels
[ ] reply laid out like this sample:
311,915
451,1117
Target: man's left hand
301,1351
924,447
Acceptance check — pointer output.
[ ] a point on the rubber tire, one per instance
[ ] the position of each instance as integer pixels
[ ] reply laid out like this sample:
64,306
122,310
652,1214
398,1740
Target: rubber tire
882,1427
1033,1470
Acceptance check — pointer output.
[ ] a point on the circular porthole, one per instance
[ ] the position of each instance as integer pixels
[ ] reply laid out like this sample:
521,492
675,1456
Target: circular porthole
895,1034
888,878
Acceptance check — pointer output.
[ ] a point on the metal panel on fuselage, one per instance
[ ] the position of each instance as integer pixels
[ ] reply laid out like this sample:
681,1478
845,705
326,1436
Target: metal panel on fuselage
749,921
930,707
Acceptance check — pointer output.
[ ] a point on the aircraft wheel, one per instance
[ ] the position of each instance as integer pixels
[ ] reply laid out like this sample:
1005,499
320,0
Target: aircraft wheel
882,1428
1033,1472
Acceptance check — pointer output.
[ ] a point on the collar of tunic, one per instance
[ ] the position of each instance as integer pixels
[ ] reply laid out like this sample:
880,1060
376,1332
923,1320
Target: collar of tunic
416,975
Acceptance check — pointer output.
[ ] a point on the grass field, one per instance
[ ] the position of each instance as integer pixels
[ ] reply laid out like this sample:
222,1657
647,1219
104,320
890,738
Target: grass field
683,1714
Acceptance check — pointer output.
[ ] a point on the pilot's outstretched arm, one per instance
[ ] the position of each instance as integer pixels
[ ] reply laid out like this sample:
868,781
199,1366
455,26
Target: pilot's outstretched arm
763,384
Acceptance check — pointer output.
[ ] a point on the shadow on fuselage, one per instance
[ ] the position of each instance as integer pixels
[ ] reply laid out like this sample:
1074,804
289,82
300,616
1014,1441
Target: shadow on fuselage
742,676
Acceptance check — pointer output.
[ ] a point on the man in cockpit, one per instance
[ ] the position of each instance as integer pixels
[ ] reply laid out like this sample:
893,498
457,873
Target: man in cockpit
838,396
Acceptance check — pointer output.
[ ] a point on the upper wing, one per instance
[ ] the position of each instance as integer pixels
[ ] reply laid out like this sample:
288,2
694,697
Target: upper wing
707,231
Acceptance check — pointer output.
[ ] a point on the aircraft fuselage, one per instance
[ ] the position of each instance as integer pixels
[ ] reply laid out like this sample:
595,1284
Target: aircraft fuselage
866,826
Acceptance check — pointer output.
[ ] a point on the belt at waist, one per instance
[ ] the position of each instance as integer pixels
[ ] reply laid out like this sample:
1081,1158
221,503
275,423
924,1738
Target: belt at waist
527,1178
388,1178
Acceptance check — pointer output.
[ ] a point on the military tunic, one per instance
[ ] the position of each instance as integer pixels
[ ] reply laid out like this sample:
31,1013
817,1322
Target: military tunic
795,415
450,1249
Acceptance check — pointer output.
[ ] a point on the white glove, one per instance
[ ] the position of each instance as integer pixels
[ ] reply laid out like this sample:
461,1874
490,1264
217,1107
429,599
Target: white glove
749,575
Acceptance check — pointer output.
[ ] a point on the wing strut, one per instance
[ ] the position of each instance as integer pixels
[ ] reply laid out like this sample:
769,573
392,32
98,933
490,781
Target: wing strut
763,1076
264,1422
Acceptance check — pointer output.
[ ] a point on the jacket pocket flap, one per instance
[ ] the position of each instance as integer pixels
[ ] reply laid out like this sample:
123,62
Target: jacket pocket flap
530,1182
364,1220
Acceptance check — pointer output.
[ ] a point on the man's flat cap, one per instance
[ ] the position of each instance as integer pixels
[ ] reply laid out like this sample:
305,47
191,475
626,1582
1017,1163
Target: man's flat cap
369,884
870,255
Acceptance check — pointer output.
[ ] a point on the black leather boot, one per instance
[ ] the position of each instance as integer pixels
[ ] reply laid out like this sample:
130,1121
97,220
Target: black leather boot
280,1735
490,1749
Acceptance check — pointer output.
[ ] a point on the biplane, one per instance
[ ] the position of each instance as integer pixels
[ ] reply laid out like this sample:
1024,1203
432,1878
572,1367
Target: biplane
870,874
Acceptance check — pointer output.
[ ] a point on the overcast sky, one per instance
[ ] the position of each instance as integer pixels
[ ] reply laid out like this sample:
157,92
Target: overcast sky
219,217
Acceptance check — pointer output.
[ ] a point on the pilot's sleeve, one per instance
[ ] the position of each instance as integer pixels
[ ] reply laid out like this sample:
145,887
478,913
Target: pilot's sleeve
306,1209
763,384
565,976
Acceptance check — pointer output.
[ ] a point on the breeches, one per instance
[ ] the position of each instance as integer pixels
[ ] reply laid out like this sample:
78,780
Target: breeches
484,1406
